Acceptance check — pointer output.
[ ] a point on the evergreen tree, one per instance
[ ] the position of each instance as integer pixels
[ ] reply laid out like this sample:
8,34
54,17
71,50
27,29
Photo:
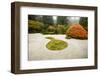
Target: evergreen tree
84,22
62,20
31,17
48,20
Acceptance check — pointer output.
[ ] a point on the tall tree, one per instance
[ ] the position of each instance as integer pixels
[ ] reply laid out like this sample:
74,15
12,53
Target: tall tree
48,20
32,17
62,20
35,17
39,18
84,22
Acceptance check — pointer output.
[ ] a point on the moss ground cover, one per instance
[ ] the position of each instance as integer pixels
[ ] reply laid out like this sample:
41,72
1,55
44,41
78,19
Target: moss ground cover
50,38
55,44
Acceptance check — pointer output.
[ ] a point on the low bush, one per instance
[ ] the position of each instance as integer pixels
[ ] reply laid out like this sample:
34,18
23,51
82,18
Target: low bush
77,31
35,26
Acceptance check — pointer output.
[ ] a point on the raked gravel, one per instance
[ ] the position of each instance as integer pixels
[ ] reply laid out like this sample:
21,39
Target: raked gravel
37,48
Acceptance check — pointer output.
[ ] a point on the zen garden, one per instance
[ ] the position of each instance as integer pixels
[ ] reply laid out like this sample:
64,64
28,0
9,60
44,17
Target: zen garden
57,37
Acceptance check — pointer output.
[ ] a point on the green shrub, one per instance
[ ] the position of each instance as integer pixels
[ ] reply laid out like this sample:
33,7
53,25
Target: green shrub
68,37
67,27
60,29
35,26
49,30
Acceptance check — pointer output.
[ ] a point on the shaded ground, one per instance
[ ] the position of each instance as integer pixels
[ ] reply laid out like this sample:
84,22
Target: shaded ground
38,51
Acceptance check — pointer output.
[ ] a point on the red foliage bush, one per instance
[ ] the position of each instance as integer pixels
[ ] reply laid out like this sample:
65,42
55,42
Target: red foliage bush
77,31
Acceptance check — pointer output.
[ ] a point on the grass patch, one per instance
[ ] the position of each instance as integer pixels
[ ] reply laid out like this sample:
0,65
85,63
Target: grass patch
55,45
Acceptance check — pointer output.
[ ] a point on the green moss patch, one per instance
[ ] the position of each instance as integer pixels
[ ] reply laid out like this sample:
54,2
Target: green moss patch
50,38
68,37
56,45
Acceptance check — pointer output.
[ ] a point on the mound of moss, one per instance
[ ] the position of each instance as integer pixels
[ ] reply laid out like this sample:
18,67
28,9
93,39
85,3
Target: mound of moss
50,38
56,44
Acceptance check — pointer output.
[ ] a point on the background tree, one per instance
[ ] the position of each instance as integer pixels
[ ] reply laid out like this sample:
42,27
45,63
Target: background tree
39,18
48,20
84,22
35,17
32,17
47,24
62,20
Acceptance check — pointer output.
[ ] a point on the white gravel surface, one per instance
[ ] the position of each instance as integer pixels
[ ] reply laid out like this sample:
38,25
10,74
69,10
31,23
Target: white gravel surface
37,48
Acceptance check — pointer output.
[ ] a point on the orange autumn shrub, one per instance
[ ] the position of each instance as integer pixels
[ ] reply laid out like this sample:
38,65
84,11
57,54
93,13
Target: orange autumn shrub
77,31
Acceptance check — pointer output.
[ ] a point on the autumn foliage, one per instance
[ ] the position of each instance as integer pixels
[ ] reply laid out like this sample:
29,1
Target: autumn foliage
77,31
